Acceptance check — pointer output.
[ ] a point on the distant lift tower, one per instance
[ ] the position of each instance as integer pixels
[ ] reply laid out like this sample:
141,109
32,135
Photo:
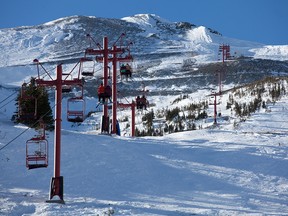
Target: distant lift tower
224,52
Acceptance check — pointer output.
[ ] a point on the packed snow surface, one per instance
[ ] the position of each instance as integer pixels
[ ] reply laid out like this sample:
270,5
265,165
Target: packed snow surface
220,171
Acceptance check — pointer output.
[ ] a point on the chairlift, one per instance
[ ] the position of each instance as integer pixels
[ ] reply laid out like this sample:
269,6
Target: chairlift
141,102
125,70
88,68
109,74
37,152
76,109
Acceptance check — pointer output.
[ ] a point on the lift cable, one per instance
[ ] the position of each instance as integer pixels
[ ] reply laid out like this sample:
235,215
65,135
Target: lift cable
8,97
13,99
26,129
124,97
15,93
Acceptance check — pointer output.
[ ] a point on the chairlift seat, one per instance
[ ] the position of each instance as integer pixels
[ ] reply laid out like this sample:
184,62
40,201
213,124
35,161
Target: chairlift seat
36,153
75,116
87,73
66,89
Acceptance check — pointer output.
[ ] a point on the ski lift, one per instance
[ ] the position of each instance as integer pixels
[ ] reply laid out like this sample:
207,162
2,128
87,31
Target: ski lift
37,151
88,68
125,70
142,102
76,109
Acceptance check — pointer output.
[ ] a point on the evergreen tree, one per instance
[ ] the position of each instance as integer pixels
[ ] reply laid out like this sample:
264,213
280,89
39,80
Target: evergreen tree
33,104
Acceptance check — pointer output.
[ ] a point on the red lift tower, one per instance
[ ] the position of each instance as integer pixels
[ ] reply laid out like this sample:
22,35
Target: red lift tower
104,55
56,185
224,51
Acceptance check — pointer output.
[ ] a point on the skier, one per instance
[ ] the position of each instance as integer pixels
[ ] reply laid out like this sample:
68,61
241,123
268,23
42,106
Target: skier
101,93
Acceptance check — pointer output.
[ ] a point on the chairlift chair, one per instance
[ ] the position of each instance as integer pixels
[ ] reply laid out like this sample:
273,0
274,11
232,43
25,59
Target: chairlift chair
37,153
87,68
66,88
125,70
76,109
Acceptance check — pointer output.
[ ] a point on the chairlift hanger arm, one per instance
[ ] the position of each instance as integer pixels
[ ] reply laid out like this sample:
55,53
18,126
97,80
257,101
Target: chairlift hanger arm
119,38
38,70
92,39
70,73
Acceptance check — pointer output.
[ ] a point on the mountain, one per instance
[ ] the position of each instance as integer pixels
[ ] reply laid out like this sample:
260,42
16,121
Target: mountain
169,57
65,38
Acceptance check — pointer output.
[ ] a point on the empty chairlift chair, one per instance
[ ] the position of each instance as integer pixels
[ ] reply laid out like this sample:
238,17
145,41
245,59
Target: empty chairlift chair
88,67
66,88
76,109
37,152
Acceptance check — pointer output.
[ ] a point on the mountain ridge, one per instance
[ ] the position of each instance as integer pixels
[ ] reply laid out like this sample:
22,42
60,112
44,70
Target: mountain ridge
150,34
165,53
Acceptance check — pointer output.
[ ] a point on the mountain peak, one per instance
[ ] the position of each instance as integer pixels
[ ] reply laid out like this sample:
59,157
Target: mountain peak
145,19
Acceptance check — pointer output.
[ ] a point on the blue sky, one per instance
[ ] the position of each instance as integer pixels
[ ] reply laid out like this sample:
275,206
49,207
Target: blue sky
264,21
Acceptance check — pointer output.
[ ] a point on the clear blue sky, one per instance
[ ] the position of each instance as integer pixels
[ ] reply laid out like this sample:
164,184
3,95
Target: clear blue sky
264,21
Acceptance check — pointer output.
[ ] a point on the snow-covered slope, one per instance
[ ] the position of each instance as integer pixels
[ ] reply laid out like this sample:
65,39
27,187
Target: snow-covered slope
271,52
220,171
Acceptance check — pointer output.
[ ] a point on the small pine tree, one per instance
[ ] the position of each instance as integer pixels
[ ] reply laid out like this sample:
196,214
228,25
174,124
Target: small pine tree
32,105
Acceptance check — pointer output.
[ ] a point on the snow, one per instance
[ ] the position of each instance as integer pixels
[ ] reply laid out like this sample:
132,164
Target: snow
40,41
199,35
145,20
272,52
220,171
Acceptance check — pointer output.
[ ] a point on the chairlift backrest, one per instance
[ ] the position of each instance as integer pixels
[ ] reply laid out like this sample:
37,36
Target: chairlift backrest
88,67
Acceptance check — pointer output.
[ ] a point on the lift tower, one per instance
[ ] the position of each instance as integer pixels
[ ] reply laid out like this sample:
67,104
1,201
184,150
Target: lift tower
224,51
107,55
56,185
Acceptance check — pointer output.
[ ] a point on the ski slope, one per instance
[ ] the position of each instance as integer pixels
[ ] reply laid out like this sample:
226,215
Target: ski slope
220,171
